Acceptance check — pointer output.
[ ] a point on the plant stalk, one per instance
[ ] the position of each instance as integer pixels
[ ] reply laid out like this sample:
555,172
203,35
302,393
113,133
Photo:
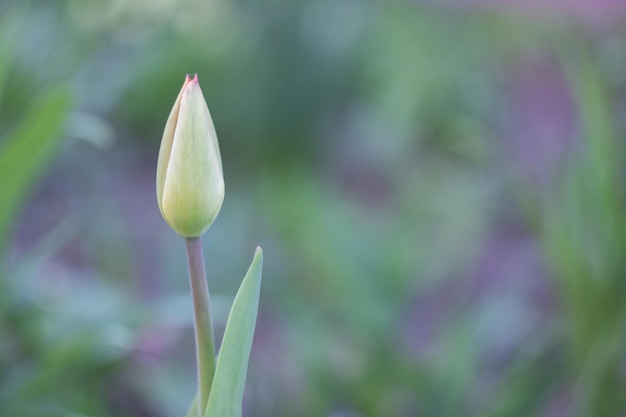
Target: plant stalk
203,324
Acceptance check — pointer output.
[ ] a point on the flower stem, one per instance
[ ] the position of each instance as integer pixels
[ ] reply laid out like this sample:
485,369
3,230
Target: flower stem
205,342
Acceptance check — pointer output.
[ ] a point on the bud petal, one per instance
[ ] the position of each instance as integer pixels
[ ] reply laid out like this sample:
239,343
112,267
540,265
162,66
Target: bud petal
190,182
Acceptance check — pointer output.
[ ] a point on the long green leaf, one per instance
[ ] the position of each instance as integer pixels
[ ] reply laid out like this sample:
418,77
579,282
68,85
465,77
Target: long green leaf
232,363
27,152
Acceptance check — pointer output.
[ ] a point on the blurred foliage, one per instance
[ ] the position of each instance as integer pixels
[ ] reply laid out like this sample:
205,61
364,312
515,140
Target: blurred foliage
27,152
438,190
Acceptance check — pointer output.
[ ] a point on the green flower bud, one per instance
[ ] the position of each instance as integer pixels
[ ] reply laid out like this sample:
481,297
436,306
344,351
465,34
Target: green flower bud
190,182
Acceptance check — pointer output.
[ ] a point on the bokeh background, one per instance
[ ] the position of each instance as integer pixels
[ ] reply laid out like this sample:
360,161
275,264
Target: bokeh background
437,186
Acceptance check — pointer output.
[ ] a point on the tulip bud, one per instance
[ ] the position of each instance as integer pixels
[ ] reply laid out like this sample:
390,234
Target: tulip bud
190,182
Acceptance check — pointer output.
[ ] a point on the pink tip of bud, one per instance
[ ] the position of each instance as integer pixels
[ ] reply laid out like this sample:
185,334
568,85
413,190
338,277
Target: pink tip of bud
187,79
195,77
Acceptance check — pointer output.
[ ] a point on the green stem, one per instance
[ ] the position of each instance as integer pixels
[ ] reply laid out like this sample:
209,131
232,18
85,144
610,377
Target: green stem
205,342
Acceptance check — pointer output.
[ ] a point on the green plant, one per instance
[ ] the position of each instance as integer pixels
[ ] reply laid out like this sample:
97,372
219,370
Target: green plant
190,191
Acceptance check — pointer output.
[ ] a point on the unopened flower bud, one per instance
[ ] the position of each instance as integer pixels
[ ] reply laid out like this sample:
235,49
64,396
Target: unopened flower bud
190,181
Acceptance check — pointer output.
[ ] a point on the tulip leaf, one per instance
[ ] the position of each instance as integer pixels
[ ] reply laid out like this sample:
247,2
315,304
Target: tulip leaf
226,395
27,151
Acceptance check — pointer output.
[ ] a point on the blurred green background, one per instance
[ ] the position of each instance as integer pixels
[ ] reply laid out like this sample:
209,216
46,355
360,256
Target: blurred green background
437,186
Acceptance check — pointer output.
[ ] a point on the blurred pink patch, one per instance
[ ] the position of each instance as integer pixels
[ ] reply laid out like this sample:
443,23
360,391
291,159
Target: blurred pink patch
155,343
590,11
541,122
